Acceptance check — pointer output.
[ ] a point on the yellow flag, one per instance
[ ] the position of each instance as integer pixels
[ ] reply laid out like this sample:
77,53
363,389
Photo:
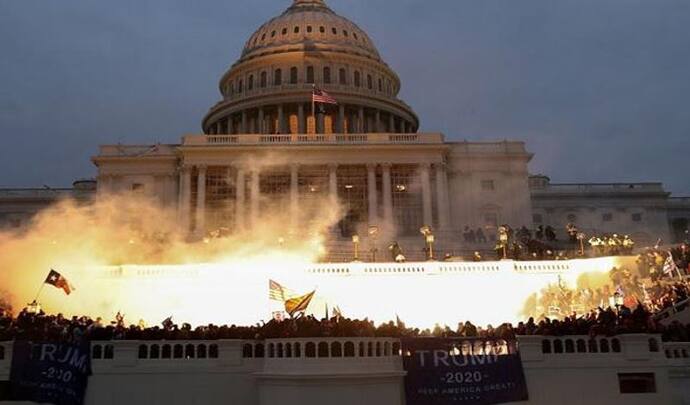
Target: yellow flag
298,304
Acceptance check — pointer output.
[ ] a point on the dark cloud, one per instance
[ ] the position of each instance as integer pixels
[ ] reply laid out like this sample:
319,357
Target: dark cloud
598,88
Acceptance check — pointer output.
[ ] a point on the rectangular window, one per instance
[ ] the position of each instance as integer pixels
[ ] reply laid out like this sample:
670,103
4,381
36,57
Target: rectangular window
637,383
537,218
608,217
310,74
637,217
138,188
293,75
488,185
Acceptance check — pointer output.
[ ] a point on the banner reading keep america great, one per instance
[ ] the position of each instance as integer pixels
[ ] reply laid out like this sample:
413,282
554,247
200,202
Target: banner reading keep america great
462,372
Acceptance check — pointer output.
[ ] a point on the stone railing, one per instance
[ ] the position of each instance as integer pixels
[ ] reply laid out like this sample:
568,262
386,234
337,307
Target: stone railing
504,147
603,188
677,351
298,139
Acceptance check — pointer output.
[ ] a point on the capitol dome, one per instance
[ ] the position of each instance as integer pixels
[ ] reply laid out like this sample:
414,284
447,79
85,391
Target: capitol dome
268,89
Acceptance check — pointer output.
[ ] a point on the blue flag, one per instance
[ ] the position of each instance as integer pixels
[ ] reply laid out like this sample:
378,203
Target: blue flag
55,373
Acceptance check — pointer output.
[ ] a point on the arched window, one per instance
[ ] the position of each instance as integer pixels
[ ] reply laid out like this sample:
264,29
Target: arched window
310,349
557,346
322,29
201,351
143,351
361,349
213,351
239,86
296,30
569,346
231,89
279,352
259,350
250,83
323,349
293,75
262,81
273,34
615,345
370,82
345,33
97,352
189,351
310,74
380,84
298,350
342,76
155,352
378,349
109,352
357,79
334,31
396,349
349,349
327,75
309,29
336,349
284,32
278,77
177,351
288,350
271,350
653,345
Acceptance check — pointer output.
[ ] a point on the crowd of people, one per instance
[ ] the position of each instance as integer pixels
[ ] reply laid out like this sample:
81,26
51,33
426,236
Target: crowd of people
36,325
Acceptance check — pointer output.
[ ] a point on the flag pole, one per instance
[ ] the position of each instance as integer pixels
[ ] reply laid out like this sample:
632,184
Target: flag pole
39,291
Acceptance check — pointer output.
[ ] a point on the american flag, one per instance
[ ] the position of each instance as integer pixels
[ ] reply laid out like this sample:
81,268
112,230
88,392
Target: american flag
276,291
320,96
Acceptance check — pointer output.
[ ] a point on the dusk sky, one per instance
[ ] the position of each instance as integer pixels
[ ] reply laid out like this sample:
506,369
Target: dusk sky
599,89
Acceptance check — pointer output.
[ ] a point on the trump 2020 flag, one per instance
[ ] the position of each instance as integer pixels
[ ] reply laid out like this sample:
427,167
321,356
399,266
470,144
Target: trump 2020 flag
57,280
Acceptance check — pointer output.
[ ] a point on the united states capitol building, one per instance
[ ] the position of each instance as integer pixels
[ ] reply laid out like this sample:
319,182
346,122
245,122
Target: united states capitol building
263,144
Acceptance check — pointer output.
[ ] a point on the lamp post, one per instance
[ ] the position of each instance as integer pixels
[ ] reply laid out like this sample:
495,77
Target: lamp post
503,238
373,233
429,240
581,239
355,241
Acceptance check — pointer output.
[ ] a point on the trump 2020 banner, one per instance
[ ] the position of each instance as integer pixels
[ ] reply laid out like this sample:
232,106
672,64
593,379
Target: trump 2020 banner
449,371
55,373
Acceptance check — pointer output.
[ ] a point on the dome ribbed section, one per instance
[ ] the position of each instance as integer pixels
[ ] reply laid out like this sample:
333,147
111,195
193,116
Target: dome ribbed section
309,25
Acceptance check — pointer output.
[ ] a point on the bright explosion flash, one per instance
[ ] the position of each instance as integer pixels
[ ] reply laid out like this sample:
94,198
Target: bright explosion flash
226,280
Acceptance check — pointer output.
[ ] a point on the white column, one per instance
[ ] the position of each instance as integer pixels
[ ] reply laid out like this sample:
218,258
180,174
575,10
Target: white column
294,193
254,197
333,183
185,197
281,119
201,201
426,193
442,196
240,199
387,195
371,194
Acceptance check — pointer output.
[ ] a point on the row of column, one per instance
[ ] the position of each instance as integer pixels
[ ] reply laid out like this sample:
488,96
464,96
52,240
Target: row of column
248,125
442,201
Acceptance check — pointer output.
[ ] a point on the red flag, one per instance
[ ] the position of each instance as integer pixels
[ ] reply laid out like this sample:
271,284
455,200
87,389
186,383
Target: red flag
57,280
